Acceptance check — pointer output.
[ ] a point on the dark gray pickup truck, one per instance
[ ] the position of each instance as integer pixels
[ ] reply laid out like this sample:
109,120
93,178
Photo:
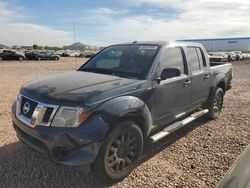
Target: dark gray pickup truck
101,115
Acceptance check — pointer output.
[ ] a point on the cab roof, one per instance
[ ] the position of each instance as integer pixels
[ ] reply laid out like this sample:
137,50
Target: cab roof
160,43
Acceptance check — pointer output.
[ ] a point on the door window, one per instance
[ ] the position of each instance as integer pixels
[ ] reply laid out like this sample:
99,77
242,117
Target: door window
173,58
194,59
201,57
197,58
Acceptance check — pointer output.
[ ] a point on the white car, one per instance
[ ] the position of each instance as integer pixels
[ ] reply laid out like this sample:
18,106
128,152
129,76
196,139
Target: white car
245,56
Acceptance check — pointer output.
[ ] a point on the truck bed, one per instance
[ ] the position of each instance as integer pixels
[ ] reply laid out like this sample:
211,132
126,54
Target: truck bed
222,68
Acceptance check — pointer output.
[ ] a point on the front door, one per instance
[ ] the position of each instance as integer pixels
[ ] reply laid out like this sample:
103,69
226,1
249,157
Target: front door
172,96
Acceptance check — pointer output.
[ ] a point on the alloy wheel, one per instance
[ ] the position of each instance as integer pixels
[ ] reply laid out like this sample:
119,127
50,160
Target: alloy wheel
122,152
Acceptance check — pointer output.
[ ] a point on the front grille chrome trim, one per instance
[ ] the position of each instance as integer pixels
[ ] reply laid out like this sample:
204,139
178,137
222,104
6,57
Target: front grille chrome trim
38,114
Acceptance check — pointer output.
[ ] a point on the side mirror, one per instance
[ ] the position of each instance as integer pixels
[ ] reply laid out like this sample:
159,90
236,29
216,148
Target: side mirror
170,73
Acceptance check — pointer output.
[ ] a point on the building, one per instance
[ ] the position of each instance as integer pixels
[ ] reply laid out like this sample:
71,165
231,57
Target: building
224,44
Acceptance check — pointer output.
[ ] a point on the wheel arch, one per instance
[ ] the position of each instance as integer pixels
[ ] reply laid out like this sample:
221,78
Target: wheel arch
218,81
126,108
222,85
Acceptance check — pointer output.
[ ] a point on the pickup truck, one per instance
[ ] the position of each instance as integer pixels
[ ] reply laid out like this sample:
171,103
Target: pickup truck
100,116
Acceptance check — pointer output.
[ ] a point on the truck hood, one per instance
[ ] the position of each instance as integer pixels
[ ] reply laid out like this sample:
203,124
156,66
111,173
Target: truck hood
79,88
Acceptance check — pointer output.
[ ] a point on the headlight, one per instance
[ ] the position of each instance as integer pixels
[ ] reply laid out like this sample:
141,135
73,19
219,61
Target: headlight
71,117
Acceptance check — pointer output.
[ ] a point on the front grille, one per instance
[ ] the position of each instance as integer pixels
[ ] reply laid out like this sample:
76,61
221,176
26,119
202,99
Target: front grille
32,104
47,114
32,112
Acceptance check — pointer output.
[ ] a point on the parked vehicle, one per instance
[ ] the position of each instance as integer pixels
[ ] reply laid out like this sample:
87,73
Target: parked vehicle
89,54
79,55
59,52
30,55
245,56
65,54
239,174
231,56
101,115
238,55
218,57
41,55
11,55
74,54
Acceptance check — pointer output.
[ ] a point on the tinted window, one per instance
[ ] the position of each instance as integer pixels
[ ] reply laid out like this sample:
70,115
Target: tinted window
194,59
123,60
201,57
173,57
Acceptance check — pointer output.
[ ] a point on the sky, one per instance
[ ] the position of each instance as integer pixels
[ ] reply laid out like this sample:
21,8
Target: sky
105,22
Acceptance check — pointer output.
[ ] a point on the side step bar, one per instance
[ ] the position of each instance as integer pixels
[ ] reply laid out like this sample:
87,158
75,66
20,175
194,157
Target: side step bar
177,125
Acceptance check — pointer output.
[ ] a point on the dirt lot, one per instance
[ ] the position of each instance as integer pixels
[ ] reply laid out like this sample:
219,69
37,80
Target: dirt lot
196,156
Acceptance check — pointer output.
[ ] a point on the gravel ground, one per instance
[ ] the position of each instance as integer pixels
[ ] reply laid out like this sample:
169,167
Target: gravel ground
196,156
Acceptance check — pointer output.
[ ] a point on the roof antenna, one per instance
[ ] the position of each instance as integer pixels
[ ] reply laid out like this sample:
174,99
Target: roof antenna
134,42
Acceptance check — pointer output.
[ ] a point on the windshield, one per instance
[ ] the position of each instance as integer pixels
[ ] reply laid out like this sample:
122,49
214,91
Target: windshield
131,61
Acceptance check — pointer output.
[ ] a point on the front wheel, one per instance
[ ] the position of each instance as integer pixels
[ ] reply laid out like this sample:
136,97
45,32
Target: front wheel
20,58
119,153
216,104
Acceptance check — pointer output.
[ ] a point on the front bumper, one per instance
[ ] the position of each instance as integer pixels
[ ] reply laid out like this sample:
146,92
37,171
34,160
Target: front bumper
68,146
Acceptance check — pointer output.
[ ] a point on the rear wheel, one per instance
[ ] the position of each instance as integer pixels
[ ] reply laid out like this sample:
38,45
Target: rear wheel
20,58
56,58
119,153
216,104
39,58
1,58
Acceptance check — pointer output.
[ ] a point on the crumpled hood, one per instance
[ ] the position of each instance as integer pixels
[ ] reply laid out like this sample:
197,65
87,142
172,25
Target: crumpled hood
79,87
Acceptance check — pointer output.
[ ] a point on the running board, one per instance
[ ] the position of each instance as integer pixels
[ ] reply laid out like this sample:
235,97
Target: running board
177,125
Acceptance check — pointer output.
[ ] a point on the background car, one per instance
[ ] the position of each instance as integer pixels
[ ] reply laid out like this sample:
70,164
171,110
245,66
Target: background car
65,54
11,55
41,55
239,57
218,57
246,56
89,54
231,56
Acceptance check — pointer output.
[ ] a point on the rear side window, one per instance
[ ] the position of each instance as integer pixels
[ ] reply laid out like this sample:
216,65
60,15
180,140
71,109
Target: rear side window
201,57
194,59
173,57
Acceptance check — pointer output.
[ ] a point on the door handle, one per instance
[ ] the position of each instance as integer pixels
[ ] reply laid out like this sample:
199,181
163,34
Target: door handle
187,83
206,77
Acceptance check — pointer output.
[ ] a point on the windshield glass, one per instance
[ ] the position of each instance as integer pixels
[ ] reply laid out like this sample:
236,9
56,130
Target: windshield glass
131,61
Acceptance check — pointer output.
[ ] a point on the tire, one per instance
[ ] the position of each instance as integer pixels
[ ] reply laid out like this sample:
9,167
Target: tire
20,58
119,153
39,58
216,104
56,58
1,58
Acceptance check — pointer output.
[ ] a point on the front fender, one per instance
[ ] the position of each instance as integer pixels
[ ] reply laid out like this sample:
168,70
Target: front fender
124,106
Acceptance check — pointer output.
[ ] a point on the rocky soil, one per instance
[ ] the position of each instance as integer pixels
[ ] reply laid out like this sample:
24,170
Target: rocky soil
195,156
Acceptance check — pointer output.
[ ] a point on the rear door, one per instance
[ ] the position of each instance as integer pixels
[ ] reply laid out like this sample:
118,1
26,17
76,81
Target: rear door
200,75
172,96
